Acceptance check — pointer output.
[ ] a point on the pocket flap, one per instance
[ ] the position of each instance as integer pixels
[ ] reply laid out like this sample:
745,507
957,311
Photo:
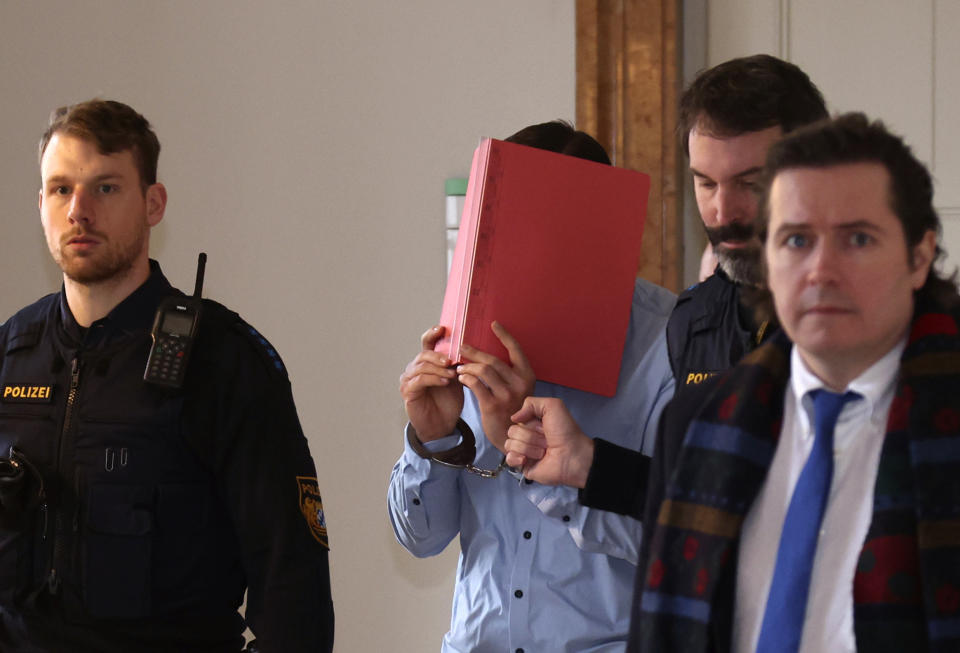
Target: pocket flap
120,509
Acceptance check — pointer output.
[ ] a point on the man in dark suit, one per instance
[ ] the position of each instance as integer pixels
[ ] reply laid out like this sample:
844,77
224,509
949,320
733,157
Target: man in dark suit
772,527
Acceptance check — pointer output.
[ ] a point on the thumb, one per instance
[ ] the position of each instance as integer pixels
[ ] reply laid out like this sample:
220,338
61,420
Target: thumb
533,408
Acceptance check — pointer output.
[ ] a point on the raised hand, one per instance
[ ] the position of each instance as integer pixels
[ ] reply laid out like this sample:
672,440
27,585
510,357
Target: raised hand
499,387
431,394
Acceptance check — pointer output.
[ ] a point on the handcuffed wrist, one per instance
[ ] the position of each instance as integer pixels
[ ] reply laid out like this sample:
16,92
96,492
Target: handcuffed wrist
462,454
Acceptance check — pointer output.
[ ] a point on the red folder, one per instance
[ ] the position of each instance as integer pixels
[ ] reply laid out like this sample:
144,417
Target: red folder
548,246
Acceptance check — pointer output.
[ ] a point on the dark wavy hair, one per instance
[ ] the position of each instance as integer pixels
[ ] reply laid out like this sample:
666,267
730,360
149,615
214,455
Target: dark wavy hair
111,126
853,138
560,136
749,94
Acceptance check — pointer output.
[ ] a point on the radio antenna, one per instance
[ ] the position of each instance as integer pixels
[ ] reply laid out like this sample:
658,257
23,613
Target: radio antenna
201,266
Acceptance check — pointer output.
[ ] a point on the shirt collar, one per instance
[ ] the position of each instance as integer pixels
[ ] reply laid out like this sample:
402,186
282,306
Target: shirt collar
134,313
876,384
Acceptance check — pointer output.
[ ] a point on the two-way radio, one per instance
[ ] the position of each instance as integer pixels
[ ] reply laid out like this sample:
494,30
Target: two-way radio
174,329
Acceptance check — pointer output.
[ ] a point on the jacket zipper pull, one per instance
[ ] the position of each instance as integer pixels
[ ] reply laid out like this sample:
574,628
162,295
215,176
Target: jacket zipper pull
53,582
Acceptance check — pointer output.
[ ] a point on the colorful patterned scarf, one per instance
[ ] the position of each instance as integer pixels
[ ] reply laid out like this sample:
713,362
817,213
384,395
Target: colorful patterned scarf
907,583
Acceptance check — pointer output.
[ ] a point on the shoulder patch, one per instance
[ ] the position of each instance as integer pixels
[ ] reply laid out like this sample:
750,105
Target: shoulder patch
263,346
312,508
226,319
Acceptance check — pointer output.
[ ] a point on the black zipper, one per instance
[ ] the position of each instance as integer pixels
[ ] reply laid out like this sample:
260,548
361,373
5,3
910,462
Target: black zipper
53,576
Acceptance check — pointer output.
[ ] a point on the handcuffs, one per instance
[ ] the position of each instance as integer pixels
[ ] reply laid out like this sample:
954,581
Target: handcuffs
459,457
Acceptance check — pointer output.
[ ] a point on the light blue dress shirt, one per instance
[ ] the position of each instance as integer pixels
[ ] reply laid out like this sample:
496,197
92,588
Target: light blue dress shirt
538,572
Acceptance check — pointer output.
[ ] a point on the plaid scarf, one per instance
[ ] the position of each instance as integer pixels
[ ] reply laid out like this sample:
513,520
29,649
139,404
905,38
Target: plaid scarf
907,583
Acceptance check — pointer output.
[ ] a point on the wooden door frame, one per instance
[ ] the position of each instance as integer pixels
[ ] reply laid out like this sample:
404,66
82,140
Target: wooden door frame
628,83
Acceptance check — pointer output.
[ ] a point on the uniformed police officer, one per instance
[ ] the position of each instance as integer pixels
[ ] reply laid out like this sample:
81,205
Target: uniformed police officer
729,116
133,516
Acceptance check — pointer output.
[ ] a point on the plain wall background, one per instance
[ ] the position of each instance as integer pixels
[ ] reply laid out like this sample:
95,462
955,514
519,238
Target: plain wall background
305,146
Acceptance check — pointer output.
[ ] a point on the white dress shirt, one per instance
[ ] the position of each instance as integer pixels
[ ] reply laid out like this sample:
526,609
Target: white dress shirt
858,439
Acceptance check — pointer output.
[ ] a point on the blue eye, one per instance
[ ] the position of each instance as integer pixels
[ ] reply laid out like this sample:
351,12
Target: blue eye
860,239
795,241
106,189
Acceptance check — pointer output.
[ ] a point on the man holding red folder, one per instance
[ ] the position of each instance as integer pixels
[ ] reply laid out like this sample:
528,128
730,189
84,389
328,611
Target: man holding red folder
538,571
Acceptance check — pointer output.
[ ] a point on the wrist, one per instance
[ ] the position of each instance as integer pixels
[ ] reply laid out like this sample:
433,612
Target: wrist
460,454
580,463
428,430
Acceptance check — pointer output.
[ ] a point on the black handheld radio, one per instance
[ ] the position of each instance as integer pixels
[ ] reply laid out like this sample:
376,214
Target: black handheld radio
174,328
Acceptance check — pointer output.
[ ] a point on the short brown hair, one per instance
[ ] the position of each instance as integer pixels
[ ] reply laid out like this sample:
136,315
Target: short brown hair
747,95
113,127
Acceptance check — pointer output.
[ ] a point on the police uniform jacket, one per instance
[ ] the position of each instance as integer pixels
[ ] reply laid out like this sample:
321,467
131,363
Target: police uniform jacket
142,513
709,331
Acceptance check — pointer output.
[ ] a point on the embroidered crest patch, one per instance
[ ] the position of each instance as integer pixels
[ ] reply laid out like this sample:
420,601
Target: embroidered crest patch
312,508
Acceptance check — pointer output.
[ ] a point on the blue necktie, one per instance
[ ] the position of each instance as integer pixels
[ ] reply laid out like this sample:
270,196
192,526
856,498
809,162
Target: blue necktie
787,602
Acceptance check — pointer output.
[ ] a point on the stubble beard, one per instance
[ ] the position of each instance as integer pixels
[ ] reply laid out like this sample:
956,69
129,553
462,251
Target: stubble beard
111,260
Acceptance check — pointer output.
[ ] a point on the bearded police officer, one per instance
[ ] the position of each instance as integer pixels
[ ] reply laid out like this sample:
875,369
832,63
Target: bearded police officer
133,514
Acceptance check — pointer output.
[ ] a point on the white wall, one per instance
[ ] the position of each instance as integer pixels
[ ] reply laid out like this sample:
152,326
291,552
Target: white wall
305,146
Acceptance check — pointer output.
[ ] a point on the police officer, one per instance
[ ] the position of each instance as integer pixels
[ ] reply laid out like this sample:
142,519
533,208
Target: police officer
729,117
133,516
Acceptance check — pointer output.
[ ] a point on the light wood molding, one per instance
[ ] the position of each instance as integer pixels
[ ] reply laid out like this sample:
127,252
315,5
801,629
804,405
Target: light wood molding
628,77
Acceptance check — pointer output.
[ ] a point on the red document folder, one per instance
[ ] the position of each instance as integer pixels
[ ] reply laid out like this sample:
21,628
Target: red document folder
549,247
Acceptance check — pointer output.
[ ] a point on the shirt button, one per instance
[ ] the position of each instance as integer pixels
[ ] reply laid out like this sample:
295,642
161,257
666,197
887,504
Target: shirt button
527,481
518,594
519,650
527,535
416,502
566,518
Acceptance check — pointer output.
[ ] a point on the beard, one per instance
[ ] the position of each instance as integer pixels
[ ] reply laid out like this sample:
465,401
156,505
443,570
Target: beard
111,259
743,265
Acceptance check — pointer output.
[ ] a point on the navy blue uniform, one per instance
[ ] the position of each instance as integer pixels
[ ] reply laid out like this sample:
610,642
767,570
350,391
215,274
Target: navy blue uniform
710,330
147,511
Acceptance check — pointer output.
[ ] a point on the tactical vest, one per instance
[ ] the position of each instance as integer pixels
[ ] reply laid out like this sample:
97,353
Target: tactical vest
126,525
705,333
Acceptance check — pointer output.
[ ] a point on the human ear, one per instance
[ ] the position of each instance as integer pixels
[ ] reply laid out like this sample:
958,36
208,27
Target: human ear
922,258
156,198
